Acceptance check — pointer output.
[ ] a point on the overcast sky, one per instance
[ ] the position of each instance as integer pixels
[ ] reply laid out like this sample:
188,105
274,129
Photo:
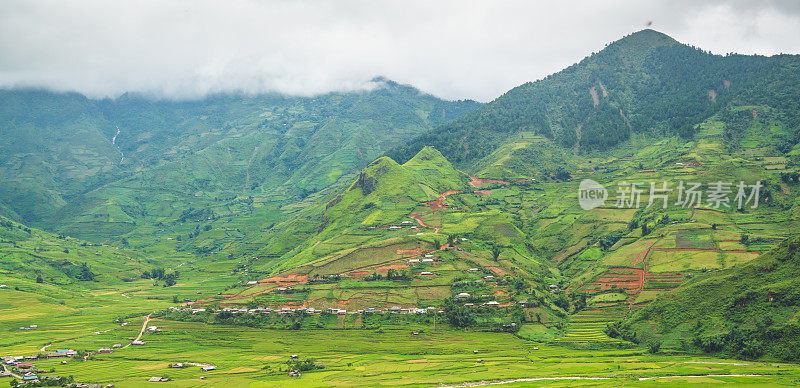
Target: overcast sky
453,49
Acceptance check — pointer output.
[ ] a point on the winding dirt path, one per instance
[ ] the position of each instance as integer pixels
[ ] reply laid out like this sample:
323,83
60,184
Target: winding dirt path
435,205
141,332
247,170
16,376
416,217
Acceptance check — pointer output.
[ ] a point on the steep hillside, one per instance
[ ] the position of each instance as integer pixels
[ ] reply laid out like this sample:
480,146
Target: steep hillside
30,255
383,194
747,311
646,83
54,146
93,168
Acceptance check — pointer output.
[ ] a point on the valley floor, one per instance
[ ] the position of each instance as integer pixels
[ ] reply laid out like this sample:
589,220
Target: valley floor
384,357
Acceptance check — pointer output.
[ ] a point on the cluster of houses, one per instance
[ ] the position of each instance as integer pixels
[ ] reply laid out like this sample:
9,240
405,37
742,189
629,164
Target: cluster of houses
28,372
22,361
465,295
402,225
427,259
31,327
310,310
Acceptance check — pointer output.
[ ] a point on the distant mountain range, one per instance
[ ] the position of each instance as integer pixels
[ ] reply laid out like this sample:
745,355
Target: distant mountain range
66,159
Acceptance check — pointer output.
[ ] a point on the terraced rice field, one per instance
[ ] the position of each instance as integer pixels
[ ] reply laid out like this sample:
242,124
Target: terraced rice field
587,327
629,279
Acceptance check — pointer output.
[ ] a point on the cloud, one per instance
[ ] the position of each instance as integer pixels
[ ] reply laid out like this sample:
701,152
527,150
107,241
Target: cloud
454,49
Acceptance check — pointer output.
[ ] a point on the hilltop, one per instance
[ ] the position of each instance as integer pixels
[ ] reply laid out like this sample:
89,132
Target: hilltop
645,84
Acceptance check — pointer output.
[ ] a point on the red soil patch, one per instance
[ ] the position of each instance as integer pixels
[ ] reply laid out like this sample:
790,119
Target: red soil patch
483,192
498,271
595,98
603,88
358,274
478,182
438,203
385,268
629,279
290,278
415,251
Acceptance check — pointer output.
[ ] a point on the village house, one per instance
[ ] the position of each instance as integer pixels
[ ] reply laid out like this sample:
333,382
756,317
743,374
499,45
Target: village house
462,295
30,378
158,380
208,368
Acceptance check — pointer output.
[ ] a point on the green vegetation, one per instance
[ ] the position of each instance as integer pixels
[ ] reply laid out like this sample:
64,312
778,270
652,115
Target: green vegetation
248,229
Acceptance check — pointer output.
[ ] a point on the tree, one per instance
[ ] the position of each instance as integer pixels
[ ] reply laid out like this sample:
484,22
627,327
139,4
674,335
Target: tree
39,279
653,346
496,250
457,315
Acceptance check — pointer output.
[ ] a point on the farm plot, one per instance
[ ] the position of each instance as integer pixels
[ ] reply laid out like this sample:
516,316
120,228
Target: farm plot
587,327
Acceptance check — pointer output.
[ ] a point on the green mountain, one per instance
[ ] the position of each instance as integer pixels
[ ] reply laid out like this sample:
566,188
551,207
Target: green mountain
383,194
643,84
98,168
746,311
287,202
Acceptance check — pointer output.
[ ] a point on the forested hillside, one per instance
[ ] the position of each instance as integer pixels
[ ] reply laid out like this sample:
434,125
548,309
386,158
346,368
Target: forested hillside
645,83
71,164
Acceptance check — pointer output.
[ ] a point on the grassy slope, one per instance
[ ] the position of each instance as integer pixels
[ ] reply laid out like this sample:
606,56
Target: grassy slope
745,311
